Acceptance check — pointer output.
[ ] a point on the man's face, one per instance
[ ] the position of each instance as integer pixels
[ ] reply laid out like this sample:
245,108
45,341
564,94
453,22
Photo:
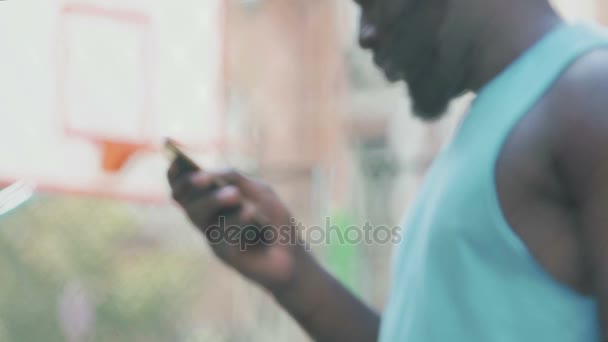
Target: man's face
405,37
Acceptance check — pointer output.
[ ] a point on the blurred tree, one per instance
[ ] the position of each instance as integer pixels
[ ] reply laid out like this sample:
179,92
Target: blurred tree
74,268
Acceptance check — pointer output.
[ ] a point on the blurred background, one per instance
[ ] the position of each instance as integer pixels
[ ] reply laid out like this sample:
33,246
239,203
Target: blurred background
314,118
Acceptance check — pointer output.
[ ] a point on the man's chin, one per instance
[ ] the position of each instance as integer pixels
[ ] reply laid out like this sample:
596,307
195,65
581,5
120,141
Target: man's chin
429,109
429,103
393,77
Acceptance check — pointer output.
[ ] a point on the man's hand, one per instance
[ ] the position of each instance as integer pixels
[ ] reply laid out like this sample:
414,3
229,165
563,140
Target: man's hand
322,306
223,212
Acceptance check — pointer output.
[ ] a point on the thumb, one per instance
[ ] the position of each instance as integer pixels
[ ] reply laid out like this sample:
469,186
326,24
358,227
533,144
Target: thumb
247,186
230,176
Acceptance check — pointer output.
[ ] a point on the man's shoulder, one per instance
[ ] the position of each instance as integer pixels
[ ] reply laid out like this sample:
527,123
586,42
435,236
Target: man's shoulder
577,111
581,93
578,101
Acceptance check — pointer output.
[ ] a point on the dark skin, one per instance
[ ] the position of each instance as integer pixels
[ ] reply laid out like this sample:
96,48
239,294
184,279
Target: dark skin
552,181
551,174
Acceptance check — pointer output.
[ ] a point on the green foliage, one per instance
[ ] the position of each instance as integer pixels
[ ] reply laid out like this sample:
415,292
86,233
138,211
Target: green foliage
136,288
342,257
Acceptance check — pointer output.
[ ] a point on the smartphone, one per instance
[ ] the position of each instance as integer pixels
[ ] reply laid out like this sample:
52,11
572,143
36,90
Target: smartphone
185,163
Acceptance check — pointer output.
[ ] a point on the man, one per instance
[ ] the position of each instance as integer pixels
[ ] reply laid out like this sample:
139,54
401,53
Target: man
508,239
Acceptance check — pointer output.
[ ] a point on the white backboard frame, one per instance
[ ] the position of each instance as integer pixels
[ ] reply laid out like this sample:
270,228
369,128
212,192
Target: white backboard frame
42,144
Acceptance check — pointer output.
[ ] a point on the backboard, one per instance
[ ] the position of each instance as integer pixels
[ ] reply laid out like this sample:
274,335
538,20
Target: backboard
90,88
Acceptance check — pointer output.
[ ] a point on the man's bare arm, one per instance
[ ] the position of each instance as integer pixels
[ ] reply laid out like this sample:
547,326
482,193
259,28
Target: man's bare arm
587,176
324,308
581,155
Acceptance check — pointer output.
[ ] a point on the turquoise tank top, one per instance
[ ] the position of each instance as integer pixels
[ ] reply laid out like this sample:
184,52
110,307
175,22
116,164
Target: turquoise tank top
460,273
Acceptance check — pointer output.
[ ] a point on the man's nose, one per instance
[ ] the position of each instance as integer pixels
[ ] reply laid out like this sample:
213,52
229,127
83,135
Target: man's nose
368,34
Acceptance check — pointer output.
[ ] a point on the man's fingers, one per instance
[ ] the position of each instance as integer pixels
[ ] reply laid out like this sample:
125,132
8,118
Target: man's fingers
192,186
247,215
231,176
206,209
218,178
202,180
249,187
228,196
